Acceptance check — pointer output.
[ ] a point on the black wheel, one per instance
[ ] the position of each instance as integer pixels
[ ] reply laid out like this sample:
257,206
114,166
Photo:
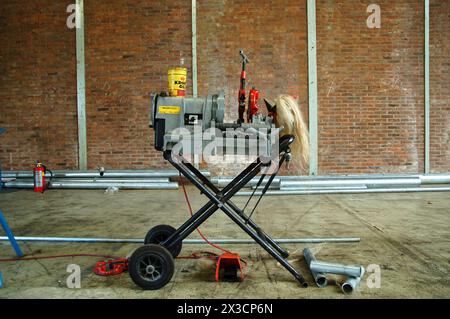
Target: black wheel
160,233
151,267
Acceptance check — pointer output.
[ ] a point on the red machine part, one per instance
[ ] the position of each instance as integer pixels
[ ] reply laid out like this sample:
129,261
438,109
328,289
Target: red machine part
253,106
229,264
39,178
111,267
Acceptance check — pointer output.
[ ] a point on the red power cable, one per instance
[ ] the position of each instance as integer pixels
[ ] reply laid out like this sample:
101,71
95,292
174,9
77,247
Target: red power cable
186,197
55,256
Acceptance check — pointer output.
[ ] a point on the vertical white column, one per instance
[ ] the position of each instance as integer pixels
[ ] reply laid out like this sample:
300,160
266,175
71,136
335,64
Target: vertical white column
312,86
427,86
81,87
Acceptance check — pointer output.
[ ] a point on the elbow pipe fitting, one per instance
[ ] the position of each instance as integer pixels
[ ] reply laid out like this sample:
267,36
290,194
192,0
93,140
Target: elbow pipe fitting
319,278
352,283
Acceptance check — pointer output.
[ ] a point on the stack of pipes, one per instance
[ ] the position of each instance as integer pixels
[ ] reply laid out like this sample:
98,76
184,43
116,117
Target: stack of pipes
319,269
386,183
121,179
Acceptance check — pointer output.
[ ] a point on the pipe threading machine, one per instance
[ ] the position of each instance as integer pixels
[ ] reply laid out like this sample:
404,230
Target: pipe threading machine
152,266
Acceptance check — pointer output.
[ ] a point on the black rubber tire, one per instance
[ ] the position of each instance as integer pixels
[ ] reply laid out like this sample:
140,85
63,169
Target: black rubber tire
162,267
160,233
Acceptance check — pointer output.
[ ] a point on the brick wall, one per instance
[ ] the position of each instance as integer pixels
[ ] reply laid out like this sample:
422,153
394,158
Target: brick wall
37,85
370,80
130,45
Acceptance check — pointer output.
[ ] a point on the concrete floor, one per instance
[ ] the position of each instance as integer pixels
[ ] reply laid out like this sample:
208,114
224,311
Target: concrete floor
407,235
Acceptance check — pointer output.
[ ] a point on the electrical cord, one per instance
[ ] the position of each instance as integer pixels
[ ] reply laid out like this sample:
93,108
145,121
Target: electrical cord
54,257
186,197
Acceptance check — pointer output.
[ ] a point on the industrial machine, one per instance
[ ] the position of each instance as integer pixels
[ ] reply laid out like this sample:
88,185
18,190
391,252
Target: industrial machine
180,119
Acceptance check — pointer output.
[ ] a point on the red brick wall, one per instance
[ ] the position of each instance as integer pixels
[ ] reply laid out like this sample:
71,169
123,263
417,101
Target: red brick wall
370,80
129,47
37,85
370,87
277,48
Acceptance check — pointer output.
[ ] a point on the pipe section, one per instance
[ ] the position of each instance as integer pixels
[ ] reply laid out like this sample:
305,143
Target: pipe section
352,283
349,191
107,174
338,269
94,185
319,278
186,241
356,183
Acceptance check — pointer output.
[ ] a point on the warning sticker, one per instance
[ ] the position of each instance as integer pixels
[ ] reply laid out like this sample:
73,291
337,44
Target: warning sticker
165,109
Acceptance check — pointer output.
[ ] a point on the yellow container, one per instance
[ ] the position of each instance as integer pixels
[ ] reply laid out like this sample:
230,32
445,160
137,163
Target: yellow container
177,82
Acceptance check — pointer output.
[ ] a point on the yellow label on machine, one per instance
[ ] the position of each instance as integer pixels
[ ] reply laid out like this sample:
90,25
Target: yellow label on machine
165,109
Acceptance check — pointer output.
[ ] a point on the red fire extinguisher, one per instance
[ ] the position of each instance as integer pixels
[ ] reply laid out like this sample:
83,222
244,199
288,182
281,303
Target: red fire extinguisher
40,184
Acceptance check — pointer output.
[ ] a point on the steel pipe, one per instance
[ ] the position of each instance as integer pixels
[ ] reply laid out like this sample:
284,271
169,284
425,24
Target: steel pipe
78,185
107,174
338,269
222,182
369,183
435,179
97,180
349,191
319,278
351,283
186,241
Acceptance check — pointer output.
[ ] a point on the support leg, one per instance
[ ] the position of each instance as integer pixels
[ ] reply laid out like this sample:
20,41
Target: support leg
10,235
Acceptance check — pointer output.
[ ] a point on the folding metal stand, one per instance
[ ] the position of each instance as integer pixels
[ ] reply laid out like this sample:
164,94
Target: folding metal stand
151,266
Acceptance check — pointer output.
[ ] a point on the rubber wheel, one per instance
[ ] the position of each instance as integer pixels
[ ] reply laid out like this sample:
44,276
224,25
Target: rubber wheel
151,267
160,233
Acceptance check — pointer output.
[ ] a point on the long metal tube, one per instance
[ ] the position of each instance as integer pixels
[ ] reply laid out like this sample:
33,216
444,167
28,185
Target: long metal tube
338,269
342,180
99,180
350,191
107,174
186,241
351,283
370,183
435,179
78,185
319,278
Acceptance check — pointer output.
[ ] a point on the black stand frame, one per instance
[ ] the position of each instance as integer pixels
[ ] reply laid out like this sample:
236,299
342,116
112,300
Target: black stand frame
221,199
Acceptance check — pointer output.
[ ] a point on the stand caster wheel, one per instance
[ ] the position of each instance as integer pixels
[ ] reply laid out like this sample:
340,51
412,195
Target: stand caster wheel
160,233
151,267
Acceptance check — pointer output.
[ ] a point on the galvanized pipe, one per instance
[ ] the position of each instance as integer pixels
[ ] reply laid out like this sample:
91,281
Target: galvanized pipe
222,182
351,283
98,180
369,183
107,174
349,191
78,185
319,278
338,269
435,179
186,241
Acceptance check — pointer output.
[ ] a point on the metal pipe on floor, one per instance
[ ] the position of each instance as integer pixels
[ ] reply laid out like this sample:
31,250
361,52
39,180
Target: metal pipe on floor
338,269
98,180
78,185
349,191
186,241
435,179
369,183
351,283
96,174
319,278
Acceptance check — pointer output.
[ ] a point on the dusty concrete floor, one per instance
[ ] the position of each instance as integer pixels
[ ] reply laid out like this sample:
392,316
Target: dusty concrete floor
408,235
